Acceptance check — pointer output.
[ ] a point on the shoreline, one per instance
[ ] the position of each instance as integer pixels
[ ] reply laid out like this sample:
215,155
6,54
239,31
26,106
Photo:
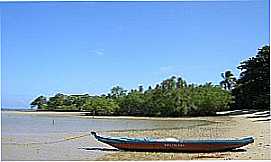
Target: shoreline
244,114
225,126
81,114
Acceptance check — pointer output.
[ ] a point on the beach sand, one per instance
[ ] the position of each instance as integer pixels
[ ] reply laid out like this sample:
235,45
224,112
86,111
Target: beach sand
70,150
225,127
87,148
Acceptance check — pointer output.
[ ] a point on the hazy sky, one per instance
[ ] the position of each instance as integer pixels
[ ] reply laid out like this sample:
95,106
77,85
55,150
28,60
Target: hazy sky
88,47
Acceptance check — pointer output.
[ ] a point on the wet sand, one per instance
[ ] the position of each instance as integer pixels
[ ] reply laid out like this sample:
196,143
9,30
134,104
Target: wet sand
87,148
34,148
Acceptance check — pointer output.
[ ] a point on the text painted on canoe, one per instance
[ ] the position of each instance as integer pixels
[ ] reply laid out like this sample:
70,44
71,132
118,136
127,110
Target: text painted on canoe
174,145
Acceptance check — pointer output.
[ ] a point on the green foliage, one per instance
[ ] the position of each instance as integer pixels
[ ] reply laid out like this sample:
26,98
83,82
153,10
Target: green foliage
253,87
100,106
132,104
117,92
40,102
186,100
172,97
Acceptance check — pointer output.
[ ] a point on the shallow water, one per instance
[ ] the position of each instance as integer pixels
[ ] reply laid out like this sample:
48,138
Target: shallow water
20,130
25,124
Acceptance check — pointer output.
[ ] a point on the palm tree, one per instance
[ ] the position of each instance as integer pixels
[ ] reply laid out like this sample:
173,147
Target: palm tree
140,88
118,91
229,80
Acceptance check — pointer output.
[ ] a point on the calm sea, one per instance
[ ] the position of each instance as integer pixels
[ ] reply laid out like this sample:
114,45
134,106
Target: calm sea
23,124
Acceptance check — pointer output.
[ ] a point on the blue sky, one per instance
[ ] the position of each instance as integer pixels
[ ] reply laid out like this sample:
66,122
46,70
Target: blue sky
89,47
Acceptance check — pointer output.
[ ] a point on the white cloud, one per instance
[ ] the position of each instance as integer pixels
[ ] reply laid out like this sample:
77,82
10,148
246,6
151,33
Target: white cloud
99,52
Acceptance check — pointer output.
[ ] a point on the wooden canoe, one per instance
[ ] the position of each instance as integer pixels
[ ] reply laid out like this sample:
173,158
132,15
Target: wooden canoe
174,145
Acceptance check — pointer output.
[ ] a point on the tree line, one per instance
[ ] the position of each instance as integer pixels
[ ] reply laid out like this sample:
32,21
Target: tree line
174,97
252,89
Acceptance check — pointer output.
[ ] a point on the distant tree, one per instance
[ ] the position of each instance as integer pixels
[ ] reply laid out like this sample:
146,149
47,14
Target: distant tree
140,89
157,86
132,103
253,86
117,92
172,82
56,102
100,105
229,80
39,102
180,83
79,102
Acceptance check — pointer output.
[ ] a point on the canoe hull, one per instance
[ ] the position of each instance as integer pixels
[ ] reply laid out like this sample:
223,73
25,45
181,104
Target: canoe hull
175,147
147,144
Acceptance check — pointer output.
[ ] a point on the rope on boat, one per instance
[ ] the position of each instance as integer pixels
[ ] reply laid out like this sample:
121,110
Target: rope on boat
48,142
